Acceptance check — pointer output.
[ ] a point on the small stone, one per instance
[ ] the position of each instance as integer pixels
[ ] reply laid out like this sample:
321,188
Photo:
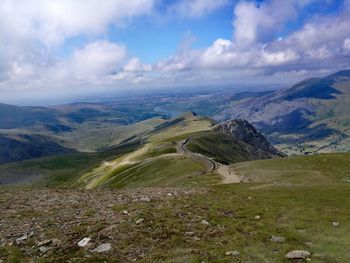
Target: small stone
257,217
45,242
125,212
205,222
56,242
308,259
31,234
84,242
22,238
139,221
44,249
335,223
145,198
190,233
103,248
170,194
249,198
1,261
233,253
298,254
277,239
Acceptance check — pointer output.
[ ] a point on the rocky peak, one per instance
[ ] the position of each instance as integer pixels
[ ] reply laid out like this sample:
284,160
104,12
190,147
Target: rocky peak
244,131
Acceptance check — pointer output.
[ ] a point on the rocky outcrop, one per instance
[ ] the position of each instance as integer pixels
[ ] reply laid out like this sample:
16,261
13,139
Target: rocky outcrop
243,131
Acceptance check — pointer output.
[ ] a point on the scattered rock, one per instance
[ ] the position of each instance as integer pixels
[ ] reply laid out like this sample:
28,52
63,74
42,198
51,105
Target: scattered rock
84,242
139,221
244,131
44,249
145,198
277,239
298,254
249,198
22,238
257,217
103,248
205,222
335,223
125,212
233,253
169,194
45,242
56,242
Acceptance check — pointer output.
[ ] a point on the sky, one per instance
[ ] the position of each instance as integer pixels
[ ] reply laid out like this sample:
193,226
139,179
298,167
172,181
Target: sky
57,48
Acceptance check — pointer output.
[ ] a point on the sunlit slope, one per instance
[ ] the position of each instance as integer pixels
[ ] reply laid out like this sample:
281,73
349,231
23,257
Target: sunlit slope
156,162
302,170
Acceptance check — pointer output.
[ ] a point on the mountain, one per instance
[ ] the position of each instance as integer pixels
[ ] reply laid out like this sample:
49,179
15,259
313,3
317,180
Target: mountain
33,132
12,116
243,131
311,116
185,150
23,146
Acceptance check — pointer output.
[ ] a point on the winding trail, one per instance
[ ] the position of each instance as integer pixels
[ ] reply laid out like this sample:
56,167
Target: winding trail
228,176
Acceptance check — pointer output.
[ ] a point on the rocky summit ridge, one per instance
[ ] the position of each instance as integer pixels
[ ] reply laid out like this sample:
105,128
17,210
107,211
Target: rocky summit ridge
243,131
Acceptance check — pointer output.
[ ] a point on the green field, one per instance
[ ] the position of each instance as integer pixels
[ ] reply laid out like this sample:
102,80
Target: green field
302,170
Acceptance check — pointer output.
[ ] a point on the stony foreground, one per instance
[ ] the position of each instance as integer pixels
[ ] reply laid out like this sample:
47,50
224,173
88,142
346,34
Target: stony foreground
232,223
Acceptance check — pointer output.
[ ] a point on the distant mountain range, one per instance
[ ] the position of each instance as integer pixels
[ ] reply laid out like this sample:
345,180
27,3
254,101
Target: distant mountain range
310,117
156,156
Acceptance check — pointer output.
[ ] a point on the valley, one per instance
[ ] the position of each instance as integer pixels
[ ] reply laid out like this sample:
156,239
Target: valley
183,188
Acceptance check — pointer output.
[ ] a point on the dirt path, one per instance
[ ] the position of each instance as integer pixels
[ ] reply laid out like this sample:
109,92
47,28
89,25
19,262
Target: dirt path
228,176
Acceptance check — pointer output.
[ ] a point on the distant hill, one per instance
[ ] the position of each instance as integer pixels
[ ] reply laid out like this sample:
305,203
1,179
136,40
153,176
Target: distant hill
12,116
23,146
33,132
311,116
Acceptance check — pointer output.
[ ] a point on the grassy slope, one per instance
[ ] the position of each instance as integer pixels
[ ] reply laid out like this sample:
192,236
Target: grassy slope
306,170
162,172
303,215
155,162
297,198
222,148
58,170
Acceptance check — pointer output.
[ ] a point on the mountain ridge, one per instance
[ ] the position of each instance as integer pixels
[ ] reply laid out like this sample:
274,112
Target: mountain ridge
311,116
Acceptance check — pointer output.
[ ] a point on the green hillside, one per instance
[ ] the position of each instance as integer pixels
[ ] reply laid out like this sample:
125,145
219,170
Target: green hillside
307,170
309,209
151,157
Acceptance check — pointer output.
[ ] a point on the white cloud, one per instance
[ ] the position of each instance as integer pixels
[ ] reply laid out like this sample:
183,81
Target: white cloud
31,31
346,44
255,23
258,48
135,65
196,8
51,21
97,59
279,57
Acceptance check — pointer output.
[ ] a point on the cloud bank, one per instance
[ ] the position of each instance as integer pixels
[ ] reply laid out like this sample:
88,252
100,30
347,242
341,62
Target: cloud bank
32,32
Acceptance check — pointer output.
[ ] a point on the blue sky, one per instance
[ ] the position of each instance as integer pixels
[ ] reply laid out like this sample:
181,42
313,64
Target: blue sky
60,46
